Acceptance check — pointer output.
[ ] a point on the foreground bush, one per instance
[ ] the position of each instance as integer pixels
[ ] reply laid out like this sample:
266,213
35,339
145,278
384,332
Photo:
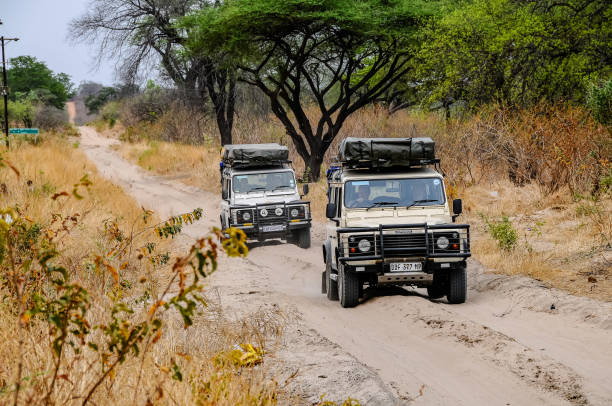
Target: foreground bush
96,315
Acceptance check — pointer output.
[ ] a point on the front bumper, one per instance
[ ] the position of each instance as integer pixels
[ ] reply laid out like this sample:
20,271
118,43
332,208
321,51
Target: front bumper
404,243
272,220
259,232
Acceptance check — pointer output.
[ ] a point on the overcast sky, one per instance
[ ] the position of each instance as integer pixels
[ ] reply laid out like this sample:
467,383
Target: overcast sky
42,27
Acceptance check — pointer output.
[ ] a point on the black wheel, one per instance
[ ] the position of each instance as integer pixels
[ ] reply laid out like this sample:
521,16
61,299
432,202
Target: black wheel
439,287
323,282
331,288
348,288
436,290
303,238
457,285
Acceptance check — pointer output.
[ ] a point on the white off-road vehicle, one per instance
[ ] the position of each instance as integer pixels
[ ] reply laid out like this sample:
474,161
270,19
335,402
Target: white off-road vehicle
389,222
260,194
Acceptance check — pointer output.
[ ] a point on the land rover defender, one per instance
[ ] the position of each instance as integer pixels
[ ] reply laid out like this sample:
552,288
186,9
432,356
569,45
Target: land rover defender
260,195
389,222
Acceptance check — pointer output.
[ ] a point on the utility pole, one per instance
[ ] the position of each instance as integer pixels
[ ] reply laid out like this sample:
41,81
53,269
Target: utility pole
5,87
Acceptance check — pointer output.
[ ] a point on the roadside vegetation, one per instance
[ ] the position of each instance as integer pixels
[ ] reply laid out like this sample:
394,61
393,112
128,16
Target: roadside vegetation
101,306
37,94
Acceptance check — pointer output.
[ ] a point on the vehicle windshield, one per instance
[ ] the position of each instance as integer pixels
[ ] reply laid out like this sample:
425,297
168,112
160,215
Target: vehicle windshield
393,192
263,182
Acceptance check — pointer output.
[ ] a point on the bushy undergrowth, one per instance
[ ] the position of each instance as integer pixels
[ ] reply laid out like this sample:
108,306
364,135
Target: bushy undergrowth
95,299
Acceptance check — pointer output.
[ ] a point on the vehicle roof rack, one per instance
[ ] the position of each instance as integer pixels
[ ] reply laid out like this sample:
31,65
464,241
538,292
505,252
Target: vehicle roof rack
255,155
387,152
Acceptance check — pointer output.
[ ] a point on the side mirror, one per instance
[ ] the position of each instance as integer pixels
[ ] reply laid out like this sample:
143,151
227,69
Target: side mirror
457,206
330,210
305,189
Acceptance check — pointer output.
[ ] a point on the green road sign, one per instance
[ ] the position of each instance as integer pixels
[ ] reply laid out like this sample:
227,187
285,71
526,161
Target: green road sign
23,131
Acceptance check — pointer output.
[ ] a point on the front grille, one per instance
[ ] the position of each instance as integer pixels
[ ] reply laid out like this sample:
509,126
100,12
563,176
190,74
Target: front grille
403,245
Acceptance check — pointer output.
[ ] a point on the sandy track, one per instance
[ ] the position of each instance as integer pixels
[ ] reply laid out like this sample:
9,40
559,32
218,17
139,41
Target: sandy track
505,346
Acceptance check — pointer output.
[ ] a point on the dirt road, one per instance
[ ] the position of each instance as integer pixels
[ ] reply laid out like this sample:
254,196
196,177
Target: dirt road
505,346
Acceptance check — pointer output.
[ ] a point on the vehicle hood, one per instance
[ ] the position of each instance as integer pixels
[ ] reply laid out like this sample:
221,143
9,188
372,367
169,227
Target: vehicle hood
389,215
263,198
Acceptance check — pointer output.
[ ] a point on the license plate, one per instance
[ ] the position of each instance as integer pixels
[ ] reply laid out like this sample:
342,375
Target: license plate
406,266
272,228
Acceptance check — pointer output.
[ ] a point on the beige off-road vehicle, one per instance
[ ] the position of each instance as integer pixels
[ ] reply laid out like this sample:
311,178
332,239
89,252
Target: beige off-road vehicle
259,194
389,222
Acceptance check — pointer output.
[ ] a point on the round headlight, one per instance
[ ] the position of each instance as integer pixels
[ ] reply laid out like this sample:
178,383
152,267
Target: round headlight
263,212
246,216
442,243
294,212
278,211
364,245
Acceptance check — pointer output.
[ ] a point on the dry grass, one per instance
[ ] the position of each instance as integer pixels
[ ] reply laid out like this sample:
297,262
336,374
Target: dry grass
55,166
191,164
560,241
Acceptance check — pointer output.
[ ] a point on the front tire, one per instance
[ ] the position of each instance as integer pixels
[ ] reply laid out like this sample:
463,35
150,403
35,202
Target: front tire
438,288
303,238
331,288
457,286
348,288
436,291
324,282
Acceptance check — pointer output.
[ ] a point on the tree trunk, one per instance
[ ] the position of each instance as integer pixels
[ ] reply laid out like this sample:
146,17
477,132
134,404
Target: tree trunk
221,87
312,172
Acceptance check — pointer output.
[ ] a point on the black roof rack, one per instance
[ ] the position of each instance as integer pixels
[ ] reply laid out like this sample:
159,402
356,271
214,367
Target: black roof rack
255,155
387,152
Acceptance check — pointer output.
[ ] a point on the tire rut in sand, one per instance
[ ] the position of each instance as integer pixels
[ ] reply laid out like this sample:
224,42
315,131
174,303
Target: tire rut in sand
529,365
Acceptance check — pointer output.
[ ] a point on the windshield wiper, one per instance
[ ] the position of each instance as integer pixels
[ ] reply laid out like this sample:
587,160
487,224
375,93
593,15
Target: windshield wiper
376,204
281,187
257,188
421,201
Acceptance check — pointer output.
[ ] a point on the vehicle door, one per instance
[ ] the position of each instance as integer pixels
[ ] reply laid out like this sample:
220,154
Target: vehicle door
226,195
334,196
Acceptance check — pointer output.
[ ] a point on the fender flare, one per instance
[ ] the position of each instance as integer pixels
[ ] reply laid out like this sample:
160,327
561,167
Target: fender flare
326,251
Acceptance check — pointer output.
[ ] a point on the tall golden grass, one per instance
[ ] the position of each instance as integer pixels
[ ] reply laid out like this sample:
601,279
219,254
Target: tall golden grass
41,173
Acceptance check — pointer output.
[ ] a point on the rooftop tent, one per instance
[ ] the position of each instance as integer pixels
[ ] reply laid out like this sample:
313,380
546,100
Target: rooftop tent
387,152
251,155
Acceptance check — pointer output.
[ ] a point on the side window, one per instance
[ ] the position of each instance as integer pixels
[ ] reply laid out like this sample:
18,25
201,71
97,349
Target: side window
225,189
339,202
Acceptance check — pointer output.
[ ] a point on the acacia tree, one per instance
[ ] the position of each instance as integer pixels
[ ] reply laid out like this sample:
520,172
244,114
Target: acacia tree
339,55
143,33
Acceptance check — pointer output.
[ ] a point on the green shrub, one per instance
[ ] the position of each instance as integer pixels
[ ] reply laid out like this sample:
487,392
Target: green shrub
599,100
503,232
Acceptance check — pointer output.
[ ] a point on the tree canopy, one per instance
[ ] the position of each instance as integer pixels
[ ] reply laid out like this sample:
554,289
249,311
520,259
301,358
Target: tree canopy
516,52
29,77
339,55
